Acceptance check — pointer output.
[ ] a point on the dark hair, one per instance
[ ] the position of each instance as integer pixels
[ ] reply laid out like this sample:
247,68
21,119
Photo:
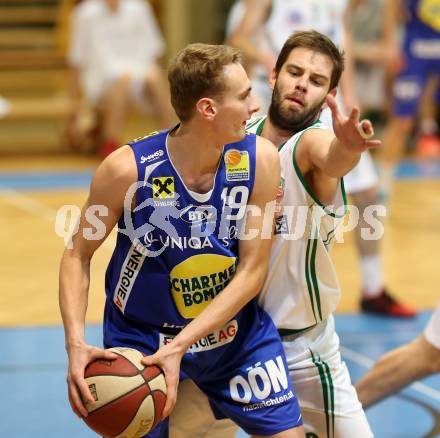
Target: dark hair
318,43
198,71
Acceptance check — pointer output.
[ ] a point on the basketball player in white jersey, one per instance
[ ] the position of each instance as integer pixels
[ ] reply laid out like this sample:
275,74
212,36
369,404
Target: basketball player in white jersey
274,21
404,365
301,290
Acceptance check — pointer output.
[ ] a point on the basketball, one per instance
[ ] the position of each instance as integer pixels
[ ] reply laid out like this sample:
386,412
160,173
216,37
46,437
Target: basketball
232,157
129,397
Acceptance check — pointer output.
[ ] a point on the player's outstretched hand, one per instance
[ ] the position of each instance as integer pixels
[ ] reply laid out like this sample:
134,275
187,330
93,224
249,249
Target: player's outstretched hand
351,132
79,357
168,358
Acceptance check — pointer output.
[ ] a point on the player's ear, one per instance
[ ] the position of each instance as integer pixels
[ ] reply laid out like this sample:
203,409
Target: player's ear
206,108
333,93
272,79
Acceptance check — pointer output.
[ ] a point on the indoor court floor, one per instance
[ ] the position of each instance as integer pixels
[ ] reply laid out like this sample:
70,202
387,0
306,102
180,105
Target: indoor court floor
33,399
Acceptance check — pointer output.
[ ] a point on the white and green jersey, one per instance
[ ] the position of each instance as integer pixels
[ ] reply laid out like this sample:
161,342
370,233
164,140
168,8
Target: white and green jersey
302,287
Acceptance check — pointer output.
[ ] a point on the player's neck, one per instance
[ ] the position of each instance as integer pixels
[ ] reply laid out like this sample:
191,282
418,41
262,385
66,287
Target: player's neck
276,135
194,151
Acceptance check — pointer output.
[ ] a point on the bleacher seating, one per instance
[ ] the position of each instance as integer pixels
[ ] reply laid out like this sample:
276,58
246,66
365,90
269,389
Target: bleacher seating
32,74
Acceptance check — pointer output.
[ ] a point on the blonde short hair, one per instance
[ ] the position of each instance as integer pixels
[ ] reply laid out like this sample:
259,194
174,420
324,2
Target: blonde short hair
196,72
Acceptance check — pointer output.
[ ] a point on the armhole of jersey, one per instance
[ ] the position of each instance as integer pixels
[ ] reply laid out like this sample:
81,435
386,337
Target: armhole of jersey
137,173
135,160
253,174
309,189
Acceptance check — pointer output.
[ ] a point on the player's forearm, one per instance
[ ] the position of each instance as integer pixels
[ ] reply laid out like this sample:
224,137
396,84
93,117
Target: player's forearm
250,52
340,159
245,285
391,13
255,14
73,295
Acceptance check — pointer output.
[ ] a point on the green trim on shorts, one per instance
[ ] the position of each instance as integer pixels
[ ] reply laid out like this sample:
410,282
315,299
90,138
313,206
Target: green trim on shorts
287,332
327,392
332,394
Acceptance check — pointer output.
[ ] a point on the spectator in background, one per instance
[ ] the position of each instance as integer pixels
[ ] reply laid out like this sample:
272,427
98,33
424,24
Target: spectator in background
417,62
253,20
372,54
113,54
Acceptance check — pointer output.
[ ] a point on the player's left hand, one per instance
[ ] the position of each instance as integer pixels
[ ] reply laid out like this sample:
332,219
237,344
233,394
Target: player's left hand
168,358
352,133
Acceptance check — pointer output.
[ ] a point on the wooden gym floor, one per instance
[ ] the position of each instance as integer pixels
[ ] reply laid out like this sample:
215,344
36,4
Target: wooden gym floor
33,361
33,189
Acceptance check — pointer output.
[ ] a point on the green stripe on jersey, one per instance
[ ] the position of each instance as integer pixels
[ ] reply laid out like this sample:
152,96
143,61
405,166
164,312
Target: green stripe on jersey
309,283
313,271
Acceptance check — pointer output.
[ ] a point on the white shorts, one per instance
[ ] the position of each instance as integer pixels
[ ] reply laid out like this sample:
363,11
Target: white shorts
329,404
363,176
432,329
95,90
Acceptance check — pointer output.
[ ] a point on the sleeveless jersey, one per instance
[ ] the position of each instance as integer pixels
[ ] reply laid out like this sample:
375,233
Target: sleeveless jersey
178,249
302,287
288,16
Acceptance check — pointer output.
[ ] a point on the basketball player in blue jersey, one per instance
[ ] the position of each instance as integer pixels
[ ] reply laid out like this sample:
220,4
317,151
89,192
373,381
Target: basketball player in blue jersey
189,259
419,60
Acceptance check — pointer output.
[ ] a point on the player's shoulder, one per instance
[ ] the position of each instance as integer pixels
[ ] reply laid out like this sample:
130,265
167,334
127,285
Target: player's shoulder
119,167
151,137
266,150
318,132
317,129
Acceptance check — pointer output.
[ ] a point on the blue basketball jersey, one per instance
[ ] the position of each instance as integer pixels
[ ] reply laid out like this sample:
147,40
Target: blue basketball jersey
421,49
424,19
178,249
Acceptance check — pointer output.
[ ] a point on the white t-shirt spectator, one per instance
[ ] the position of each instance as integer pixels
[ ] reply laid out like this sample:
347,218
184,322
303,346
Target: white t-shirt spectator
106,45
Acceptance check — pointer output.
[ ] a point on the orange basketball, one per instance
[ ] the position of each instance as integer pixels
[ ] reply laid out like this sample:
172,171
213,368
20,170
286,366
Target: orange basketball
233,157
129,397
